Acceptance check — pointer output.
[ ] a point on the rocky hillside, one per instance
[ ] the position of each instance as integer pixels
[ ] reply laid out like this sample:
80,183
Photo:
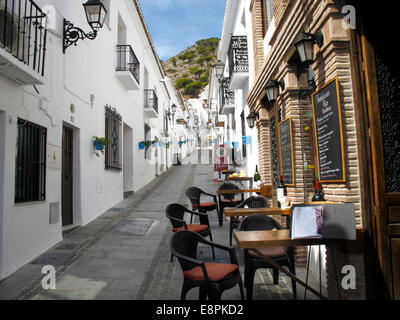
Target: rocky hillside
190,68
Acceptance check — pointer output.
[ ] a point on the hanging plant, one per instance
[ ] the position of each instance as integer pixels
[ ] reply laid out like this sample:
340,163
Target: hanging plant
100,144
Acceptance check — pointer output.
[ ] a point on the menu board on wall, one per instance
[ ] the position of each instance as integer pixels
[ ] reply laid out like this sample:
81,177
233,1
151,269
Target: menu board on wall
286,148
329,133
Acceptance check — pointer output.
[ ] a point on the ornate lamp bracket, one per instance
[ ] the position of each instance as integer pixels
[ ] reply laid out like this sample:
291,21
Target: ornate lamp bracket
73,34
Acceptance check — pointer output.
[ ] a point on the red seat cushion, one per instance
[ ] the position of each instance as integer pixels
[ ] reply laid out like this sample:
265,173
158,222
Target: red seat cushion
215,271
274,252
208,204
192,227
231,200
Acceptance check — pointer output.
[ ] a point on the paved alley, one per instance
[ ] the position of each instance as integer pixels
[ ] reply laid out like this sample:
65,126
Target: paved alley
125,255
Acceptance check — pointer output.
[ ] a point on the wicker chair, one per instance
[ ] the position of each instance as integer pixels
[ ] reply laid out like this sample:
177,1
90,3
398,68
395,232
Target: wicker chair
194,194
228,200
252,202
176,212
280,255
211,278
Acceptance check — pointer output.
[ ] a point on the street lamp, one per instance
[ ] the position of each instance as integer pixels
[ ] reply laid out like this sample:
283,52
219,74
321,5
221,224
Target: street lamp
219,70
174,108
251,119
95,14
273,90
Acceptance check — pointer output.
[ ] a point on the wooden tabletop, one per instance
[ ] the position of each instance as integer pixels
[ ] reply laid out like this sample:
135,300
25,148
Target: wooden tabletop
266,191
244,212
273,238
241,178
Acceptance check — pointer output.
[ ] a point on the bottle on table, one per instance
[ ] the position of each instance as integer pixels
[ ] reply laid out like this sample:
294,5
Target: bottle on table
319,196
281,192
257,176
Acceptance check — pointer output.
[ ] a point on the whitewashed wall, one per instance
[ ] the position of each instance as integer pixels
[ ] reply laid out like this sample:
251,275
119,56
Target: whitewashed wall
86,69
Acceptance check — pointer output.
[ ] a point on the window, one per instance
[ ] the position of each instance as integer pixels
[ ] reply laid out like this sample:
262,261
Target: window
113,134
268,13
30,163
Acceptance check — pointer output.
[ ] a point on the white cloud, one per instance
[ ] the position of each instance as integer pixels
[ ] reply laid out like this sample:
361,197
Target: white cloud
162,4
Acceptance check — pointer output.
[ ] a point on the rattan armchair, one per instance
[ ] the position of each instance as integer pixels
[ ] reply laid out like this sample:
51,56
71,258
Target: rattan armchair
211,278
280,255
195,194
228,200
176,214
252,202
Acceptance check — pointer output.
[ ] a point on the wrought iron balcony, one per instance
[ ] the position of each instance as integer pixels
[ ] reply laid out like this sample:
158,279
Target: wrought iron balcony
128,66
23,38
238,61
151,103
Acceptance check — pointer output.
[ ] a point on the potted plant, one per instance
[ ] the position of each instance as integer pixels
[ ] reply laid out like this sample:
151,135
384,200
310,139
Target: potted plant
100,144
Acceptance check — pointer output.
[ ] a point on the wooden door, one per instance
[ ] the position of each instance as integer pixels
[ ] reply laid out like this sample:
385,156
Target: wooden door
67,177
381,81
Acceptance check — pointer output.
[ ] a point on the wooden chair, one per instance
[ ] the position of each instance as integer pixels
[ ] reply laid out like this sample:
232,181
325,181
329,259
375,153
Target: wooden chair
211,278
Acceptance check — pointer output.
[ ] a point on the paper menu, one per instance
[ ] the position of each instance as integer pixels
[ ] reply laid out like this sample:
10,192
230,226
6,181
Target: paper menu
307,222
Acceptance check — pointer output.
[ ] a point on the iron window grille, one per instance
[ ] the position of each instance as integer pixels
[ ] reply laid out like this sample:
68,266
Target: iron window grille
113,153
150,100
30,165
147,136
23,32
238,55
127,61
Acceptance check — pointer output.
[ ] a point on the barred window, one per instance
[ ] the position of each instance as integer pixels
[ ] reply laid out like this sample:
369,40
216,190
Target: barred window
147,137
30,164
114,136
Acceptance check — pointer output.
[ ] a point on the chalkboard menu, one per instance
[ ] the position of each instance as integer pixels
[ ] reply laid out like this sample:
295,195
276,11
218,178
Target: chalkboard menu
329,133
286,148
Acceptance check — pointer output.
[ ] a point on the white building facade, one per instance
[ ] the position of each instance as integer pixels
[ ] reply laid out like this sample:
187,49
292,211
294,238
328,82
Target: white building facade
51,175
228,95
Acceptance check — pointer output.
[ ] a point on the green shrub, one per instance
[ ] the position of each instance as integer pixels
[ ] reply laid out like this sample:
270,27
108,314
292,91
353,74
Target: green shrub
193,88
182,83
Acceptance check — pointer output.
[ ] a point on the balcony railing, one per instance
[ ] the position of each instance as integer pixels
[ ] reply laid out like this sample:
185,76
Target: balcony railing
238,55
127,61
23,32
150,100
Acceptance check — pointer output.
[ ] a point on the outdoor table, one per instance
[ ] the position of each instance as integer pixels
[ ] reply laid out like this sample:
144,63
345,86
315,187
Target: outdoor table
278,238
265,191
244,212
241,180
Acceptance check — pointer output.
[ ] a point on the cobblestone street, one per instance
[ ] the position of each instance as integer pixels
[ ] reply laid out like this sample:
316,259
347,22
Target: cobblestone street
125,255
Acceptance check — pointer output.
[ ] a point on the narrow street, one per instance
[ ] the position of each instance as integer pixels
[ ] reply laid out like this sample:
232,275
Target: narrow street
125,255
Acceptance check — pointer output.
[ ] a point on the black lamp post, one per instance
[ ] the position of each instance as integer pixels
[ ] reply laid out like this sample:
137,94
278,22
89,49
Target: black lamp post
95,14
273,90
251,119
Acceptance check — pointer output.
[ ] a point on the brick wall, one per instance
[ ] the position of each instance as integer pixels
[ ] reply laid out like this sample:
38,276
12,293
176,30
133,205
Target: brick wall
333,59
258,34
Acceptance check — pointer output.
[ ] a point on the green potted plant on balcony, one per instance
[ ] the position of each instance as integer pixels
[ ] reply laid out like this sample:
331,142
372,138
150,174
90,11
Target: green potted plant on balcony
100,144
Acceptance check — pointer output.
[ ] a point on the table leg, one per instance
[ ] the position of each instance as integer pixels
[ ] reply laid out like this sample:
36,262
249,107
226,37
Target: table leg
289,274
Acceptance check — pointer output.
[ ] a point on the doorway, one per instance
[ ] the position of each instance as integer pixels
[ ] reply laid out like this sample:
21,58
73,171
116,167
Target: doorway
128,160
67,177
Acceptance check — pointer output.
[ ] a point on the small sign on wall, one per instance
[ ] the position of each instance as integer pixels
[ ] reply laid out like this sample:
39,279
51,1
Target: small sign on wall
53,156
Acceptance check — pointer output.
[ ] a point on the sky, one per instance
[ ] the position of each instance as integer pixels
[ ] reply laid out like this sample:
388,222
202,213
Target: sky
175,25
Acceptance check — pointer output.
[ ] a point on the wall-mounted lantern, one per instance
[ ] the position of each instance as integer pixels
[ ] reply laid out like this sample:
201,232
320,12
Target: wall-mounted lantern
272,89
305,49
95,14
252,118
